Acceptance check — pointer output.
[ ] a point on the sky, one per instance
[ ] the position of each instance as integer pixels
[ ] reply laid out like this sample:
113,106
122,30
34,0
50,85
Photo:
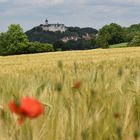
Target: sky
82,13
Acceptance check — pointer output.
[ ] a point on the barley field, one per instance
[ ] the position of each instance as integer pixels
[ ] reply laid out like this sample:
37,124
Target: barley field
104,106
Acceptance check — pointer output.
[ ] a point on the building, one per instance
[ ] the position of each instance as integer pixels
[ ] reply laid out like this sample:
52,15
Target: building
53,27
87,37
66,39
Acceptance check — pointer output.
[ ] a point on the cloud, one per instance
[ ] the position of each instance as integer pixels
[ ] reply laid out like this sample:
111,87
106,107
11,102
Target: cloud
94,13
57,2
127,1
37,2
3,1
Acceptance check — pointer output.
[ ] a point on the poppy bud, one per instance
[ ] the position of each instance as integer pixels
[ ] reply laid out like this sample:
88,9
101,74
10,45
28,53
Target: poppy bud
77,85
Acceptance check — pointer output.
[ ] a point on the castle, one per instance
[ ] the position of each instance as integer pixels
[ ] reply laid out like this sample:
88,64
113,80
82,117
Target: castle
53,27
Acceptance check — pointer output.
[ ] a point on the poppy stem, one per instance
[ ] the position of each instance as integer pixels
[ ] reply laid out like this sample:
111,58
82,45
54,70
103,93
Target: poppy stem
45,104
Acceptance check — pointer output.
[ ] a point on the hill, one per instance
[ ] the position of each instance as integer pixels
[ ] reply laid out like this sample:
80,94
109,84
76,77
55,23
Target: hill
72,33
75,38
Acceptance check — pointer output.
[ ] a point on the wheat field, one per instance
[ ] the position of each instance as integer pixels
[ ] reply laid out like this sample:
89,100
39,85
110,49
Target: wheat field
106,106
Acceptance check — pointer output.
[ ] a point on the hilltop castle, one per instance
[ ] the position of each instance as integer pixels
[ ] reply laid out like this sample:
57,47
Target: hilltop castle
53,27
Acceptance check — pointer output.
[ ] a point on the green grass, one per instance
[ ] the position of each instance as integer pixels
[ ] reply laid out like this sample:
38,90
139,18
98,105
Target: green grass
105,107
121,45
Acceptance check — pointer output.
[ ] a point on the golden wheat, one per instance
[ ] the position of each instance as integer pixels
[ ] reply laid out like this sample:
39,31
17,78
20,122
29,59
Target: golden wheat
106,106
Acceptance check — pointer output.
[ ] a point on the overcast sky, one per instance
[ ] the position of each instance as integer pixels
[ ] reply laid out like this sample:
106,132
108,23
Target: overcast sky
83,13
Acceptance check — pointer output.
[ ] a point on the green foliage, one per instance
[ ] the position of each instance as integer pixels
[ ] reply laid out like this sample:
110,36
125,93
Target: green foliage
17,39
13,41
135,40
110,34
102,42
60,45
82,31
134,28
75,45
131,31
4,43
37,47
93,43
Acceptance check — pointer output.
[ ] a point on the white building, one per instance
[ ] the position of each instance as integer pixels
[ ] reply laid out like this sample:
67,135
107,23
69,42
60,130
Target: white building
53,27
66,39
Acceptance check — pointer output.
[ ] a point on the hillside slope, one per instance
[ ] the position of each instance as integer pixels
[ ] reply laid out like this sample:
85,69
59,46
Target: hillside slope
37,34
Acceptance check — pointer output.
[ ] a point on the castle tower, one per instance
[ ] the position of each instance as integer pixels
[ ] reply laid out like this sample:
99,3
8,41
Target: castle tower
46,22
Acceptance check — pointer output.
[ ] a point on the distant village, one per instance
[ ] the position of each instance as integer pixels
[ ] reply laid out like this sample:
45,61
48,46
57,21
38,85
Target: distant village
62,28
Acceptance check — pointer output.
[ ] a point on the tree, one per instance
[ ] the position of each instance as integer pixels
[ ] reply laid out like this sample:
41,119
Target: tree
14,41
80,44
135,40
60,45
4,43
93,43
111,34
17,39
132,31
102,42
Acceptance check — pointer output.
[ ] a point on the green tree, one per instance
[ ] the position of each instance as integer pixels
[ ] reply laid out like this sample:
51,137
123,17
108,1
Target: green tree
102,41
14,41
111,34
60,45
4,43
135,40
132,31
17,39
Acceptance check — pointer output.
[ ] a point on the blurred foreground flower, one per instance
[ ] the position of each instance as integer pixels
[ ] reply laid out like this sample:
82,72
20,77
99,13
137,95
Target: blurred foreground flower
26,108
77,85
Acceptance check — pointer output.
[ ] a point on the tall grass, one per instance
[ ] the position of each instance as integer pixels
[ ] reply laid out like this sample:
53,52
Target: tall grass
105,107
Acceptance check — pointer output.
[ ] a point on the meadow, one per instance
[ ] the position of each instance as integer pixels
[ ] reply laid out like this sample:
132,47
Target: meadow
105,105
120,45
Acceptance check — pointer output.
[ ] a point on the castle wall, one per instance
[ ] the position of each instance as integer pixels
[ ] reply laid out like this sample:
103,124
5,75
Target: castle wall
54,28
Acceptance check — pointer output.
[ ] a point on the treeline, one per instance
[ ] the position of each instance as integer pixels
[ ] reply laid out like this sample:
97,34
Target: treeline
114,34
15,41
80,44
108,35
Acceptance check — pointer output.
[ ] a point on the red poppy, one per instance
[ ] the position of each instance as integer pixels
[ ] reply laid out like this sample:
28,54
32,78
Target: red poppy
28,107
77,85
15,108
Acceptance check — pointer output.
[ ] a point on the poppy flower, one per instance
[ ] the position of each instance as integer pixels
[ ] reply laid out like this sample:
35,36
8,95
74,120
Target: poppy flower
27,108
77,85
15,108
